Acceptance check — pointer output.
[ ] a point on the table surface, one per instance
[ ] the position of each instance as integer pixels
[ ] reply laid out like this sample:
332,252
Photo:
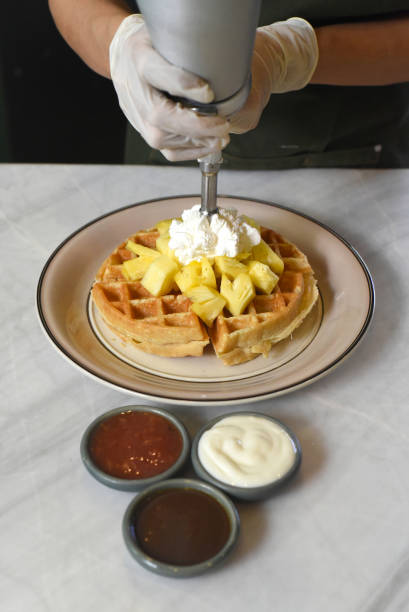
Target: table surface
336,538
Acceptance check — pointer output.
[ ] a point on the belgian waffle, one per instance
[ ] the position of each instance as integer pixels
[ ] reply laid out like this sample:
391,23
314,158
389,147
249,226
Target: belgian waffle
269,318
163,326
167,326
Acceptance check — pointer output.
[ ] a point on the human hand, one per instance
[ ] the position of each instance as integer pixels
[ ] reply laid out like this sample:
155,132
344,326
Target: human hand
140,75
284,59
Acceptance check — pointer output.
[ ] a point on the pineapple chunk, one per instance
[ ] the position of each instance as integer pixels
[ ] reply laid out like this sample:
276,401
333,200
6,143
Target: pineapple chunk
229,266
163,226
158,278
238,294
196,273
207,303
262,252
262,276
162,244
141,250
134,269
188,276
208,276
243,256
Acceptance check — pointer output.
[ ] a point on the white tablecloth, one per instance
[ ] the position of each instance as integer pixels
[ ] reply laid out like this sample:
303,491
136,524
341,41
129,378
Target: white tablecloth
336,539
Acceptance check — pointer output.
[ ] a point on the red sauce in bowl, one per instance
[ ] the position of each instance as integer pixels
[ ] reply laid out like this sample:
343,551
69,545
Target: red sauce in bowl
135,445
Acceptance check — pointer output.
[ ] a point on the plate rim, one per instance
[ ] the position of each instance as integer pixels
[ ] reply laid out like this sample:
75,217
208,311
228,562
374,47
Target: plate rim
209,401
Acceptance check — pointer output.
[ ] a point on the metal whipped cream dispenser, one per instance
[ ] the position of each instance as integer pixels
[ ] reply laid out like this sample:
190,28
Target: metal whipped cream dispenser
213,39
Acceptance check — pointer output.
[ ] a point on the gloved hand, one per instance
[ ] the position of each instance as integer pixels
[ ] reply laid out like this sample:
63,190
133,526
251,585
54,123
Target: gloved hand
140,74
284,59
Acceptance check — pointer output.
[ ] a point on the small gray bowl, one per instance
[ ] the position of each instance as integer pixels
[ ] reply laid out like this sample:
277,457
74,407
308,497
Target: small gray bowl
167,569
124,484
246,493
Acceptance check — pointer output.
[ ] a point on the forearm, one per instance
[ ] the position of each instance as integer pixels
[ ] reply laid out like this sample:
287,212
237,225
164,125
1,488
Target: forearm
366,53
88,27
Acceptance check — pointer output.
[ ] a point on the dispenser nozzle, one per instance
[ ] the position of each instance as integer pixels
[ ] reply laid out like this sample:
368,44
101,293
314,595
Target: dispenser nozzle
209,166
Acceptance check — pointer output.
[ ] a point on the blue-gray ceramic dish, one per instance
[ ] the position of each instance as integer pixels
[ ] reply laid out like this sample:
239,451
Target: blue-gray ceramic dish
172,569
246,493
124,484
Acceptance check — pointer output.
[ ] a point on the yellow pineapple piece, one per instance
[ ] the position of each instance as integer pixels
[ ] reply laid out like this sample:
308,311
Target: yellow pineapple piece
239,293
162,244
188,276
243,256
163,226
195,273
208,276
262,276
229,266
141,250
159,277
262,252
134,269
207,303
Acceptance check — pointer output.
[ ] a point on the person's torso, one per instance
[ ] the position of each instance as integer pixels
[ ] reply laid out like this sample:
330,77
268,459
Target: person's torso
324,12
321,125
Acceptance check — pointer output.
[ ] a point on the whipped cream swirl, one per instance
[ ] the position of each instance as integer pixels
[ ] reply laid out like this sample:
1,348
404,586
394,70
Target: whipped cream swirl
226,233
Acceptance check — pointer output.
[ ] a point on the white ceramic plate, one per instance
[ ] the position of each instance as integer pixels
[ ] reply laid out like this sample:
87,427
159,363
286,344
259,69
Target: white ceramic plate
328,335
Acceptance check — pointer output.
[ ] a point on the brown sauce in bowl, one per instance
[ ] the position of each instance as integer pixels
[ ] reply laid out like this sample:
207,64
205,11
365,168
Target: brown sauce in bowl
135,445
181,526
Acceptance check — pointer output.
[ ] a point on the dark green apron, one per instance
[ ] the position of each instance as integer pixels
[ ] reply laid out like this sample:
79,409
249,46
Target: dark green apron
321,125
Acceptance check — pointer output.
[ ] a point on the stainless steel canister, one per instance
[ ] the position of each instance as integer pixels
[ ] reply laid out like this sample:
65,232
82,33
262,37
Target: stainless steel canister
211,38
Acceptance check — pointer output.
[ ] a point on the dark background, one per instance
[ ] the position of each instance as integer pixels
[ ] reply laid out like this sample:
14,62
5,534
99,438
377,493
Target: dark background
53,108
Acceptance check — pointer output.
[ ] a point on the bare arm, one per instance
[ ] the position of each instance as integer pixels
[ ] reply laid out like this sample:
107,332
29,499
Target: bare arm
88,27
365,53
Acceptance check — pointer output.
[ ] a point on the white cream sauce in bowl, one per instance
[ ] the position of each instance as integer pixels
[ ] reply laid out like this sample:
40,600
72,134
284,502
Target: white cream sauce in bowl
247,454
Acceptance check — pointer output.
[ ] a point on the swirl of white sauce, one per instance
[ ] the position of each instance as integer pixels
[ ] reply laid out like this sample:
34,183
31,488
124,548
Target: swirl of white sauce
246,451
227,233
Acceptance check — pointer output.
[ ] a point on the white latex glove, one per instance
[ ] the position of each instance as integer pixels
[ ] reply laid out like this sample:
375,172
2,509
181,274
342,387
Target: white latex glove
284,59
139,74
